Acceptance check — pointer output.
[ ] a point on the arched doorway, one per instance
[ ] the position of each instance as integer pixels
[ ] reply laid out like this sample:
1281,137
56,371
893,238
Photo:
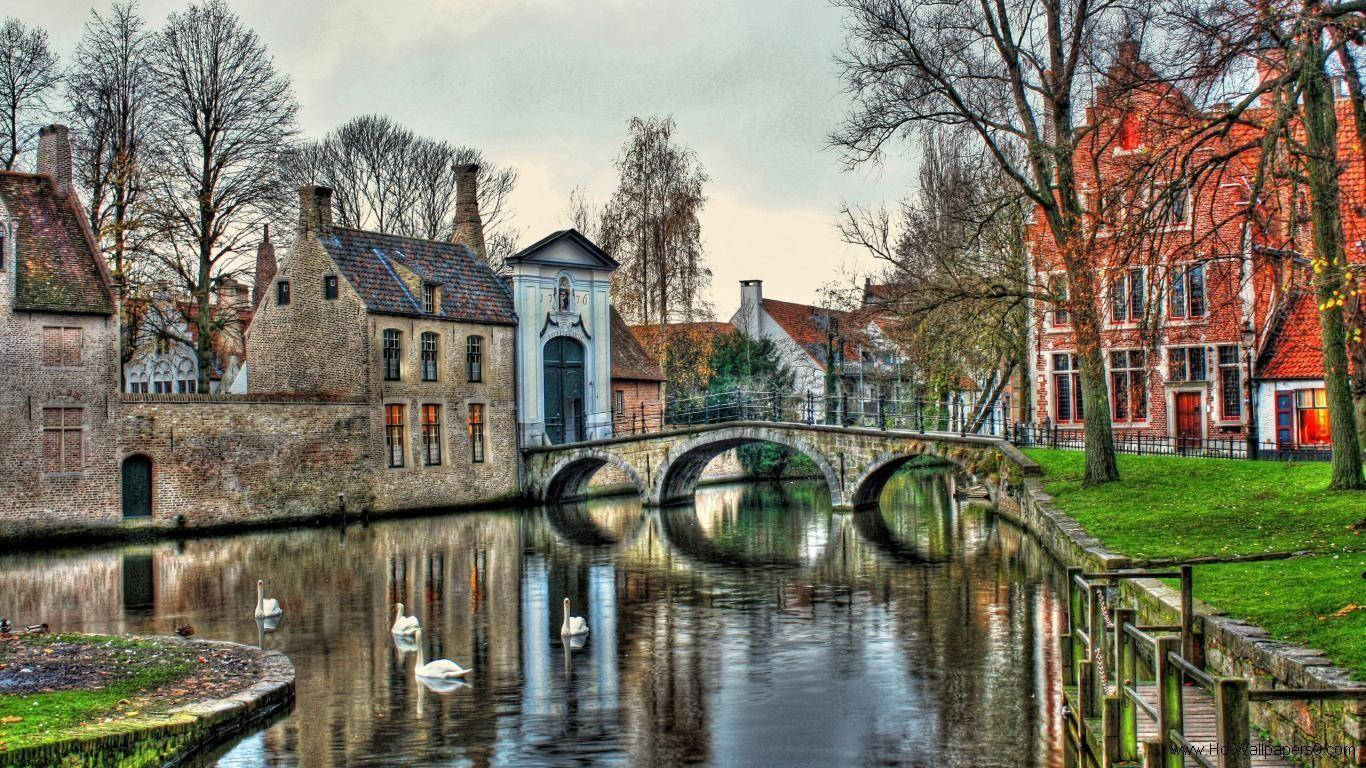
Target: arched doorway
137,486
564,390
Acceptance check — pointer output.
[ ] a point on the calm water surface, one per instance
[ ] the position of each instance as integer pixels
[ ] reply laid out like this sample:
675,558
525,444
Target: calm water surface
756,627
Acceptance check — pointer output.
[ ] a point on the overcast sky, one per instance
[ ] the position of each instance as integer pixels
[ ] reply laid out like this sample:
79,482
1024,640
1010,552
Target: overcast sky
548,86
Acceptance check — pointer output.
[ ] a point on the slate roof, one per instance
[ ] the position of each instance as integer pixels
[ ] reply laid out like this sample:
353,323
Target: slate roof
807,325
1295,350
470,291
59,267
629,359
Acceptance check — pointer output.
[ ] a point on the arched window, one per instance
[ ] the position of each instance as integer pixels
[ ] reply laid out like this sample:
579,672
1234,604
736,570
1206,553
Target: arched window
162,378
187,380
564,297
430,343
393,353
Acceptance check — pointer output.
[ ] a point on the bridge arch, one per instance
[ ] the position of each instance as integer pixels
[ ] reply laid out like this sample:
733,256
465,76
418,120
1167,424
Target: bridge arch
568,477
866,489
682,467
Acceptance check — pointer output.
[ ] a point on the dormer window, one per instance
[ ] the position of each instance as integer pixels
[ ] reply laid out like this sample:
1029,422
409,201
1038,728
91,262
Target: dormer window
430,299
564,296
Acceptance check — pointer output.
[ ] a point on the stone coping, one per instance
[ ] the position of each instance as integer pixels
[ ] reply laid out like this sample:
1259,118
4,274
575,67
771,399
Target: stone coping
689,429
184,730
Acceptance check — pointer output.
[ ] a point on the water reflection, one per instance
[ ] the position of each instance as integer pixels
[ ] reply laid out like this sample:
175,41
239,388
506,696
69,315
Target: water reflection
756,627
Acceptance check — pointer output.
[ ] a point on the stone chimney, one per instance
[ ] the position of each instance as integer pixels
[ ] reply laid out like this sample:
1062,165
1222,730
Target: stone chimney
751,299
54,155
315,210
265,268
469,228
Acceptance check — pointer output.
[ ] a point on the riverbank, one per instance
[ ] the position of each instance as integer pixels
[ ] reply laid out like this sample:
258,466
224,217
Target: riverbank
95,700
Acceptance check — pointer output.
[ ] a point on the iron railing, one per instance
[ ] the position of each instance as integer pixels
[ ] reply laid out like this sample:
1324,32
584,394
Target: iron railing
1026,435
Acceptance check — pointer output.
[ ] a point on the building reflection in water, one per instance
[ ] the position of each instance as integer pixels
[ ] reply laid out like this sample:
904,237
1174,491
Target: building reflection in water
753,627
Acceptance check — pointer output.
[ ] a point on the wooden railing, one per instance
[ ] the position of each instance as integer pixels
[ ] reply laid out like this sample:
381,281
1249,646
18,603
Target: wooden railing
1108,657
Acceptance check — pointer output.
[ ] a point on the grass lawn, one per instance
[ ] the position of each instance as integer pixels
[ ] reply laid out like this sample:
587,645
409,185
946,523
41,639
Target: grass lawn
1168,507
48,716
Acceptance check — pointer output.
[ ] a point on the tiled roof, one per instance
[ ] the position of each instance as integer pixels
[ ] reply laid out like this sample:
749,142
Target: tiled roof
470,291
59,268
649,335
807,325
629,358
1295,350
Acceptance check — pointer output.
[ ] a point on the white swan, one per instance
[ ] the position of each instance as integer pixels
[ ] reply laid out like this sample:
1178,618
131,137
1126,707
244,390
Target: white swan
573,626
441,669
404,625
265,606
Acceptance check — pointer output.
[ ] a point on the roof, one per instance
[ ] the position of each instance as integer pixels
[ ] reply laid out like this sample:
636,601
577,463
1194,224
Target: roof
1295,348
649,335
530,252
808,326
470,291
629,358
59,268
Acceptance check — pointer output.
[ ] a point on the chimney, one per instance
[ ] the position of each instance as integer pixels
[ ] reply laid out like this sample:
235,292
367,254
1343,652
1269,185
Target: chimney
315,210
751,298
1048,133
265,268
468,229
54,155
1128,52
1270,66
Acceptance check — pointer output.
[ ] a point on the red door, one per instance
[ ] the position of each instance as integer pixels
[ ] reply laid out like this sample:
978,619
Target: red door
1188,419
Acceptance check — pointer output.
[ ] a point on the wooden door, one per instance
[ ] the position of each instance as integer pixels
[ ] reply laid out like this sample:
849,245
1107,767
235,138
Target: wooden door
563,390
1285,419
137,486
1188,432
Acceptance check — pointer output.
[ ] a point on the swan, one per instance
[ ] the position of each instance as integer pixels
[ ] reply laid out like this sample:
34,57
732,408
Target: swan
403,625
265,606
441,669
573,626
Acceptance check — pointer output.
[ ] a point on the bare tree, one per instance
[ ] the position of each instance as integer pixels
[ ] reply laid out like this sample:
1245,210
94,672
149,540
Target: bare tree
225,117
28,76
110,114
651,226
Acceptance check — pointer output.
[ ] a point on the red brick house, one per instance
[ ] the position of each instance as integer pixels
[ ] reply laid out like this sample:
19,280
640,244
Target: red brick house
1200,297
637,382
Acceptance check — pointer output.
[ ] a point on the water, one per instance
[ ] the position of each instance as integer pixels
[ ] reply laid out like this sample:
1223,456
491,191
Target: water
756,627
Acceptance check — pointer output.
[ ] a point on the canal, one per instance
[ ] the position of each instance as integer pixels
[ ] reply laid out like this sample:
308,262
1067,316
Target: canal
755,627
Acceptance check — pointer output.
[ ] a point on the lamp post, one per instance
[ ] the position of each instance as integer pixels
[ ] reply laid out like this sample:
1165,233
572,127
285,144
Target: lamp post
1249,340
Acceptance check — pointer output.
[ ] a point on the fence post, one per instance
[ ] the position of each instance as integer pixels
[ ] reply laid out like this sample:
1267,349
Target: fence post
1096,631
882,412
1074,611
1152,753
1190,651
1231,723
920,415
1126,674
1169,704
1110,724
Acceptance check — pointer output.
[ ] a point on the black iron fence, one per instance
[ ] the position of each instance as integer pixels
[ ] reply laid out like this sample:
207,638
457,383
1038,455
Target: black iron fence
1026,435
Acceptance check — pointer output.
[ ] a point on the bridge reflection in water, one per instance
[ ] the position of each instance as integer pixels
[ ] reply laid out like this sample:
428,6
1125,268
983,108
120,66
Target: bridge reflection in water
756,627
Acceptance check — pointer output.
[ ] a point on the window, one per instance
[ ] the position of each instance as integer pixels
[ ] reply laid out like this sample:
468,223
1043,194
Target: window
429,356
1057,285
162,386
1129,386
393,353
618,402
62,440
163,345
429,300
187,386
61,347
138,387
1186,364
1066,389
1174,207
1126,296
431,434
476,433
474,358
1187,299
393,434
329,286
1128,137
2,251
564,296
282,292
1311,417
1230,384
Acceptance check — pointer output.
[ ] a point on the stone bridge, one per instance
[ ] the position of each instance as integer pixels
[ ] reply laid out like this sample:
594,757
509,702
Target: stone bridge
665,466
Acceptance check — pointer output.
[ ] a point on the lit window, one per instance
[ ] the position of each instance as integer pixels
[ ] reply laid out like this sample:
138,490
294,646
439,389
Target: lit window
431,434
476,425
429,356
62,440
474,358
1066,389
1311,417
1128,133
1186,364
393,353
1129,386
393,434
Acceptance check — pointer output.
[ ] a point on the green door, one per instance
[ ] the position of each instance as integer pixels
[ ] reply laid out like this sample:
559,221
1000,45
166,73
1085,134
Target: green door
564,390
137,486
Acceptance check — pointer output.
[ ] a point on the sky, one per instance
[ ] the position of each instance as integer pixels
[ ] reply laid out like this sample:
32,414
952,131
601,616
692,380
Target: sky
548,86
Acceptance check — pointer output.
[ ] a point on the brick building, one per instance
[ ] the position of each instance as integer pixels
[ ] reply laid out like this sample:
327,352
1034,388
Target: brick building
1199,297
59,361
421,330
637,382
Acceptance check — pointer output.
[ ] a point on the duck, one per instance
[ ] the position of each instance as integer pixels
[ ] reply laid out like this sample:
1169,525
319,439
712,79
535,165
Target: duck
441,669
185,630
265,606
404,625
4,626
36,629
573,626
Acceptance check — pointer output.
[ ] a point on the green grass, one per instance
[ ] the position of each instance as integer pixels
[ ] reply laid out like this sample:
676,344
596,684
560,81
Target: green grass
51,716
1181,508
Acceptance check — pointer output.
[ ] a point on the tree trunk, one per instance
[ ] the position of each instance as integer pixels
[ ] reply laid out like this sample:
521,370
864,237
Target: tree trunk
1101,466
1321,166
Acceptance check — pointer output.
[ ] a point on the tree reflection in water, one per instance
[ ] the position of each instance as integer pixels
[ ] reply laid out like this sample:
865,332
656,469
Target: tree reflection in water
755,626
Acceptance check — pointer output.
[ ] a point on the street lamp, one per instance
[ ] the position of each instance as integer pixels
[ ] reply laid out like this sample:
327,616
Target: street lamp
1250,339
